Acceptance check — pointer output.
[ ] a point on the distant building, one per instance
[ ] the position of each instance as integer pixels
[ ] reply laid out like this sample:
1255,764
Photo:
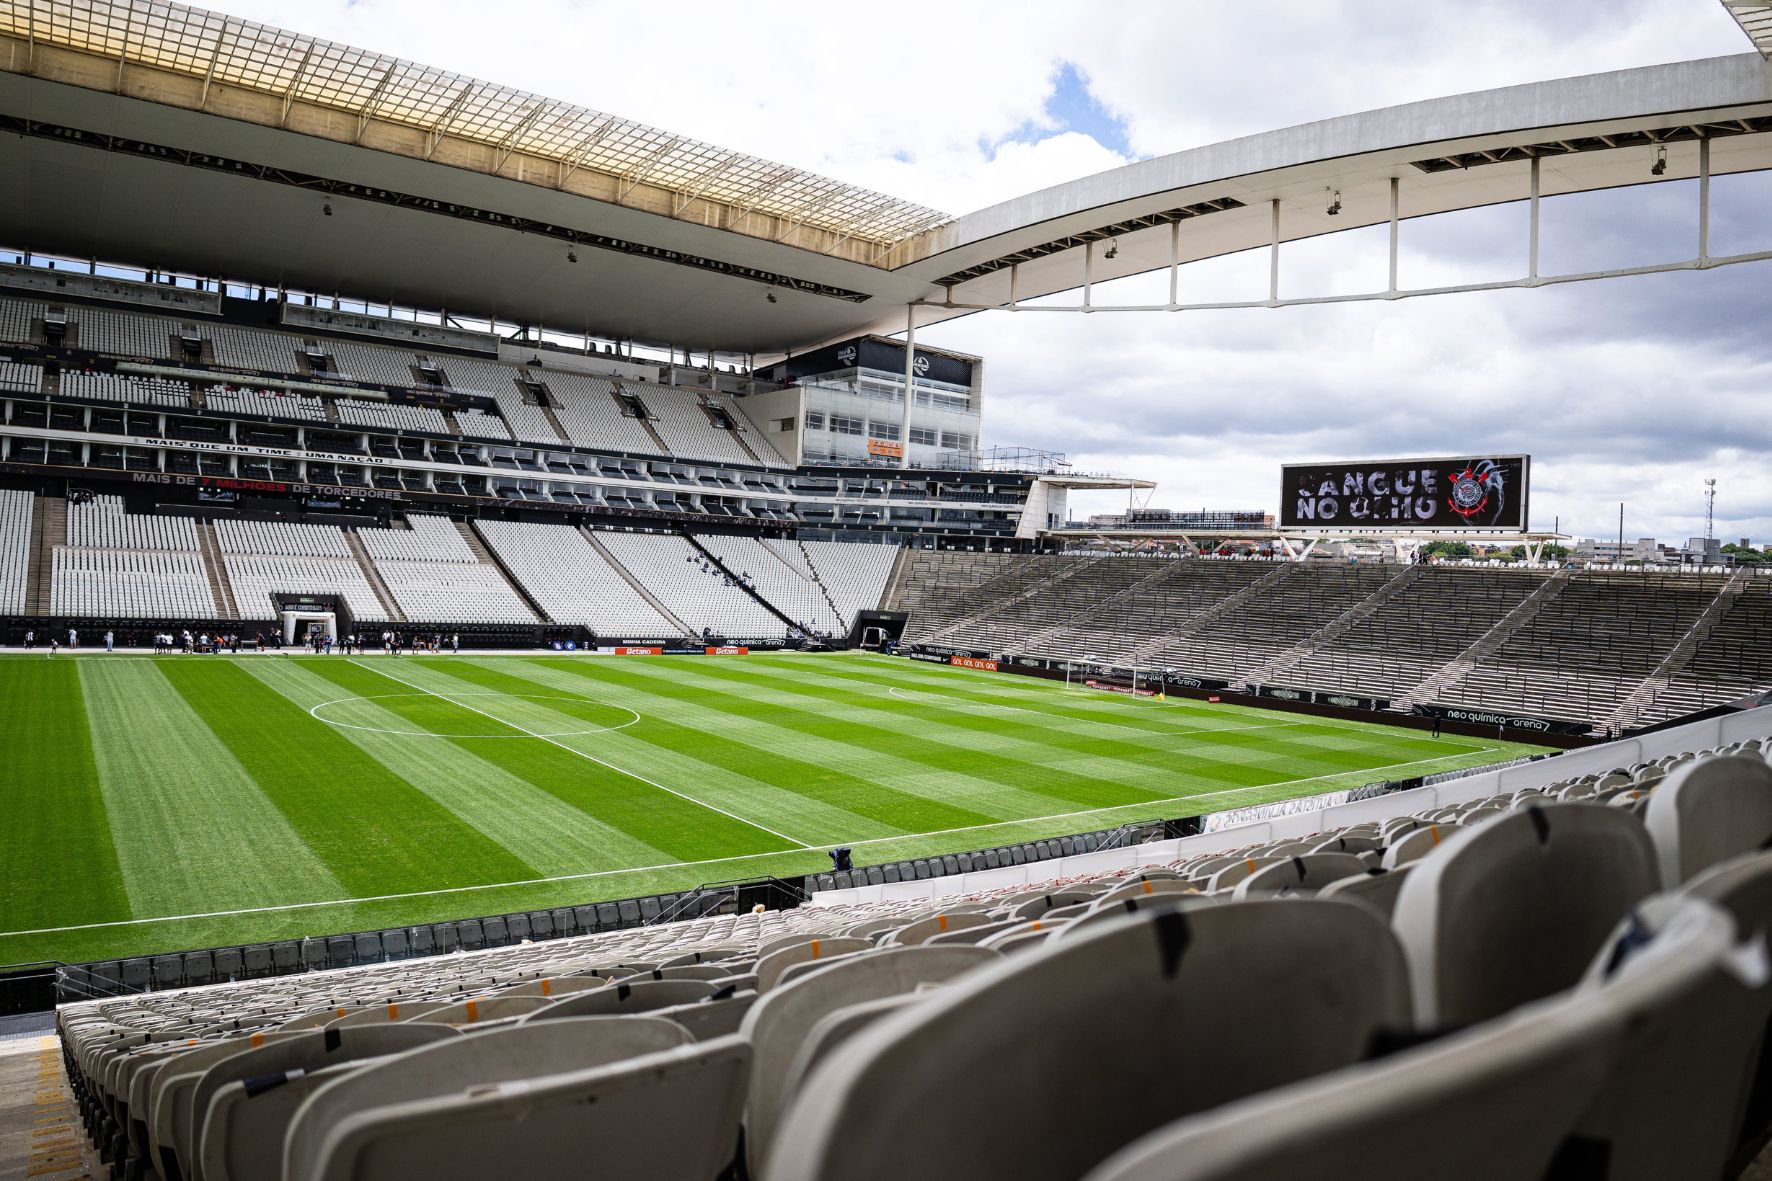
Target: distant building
1229,520
1643,549
1702,551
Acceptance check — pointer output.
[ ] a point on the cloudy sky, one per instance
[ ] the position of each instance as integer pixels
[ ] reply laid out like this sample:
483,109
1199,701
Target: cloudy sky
1630,390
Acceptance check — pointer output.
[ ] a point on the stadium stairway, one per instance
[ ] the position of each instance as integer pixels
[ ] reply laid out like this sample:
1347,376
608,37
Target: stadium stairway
639,587
1630,710
1338,626
49,528
744,586
1457,669
1229,605
373,577
40,1134
488,558
217,572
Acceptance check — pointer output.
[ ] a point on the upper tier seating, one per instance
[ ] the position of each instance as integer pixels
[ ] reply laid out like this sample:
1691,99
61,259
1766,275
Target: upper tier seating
15,549
21,377
1194,1035
118,387
571,581
122,334
17,316
391,416
269,403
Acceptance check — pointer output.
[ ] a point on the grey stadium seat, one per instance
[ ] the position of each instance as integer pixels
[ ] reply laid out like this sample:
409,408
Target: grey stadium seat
602,1088
778,1024
1309,871
1221,1000
1514,909
1375,887
1709,811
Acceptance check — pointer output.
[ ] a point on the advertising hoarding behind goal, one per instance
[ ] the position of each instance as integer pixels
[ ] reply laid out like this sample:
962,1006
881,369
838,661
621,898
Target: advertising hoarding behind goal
1473,493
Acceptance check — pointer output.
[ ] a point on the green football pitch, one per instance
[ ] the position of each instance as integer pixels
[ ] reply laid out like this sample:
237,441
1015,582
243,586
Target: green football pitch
161,803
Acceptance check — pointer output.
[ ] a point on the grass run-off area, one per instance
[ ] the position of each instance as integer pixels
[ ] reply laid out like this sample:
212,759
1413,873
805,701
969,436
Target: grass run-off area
164,803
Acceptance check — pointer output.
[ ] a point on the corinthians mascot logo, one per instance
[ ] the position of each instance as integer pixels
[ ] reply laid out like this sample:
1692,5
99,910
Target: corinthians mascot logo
1479,493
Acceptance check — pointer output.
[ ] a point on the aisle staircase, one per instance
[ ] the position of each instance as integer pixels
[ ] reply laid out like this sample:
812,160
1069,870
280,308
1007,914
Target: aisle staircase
216,570
1460,666
382,593
49,528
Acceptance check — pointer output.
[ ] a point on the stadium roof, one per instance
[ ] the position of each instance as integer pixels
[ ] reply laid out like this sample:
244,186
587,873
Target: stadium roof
149,134
1755,20
228,51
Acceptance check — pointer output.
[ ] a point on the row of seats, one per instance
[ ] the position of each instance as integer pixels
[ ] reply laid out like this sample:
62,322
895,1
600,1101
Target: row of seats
1578,645
148,584
102,523
1556,983
569,578
132,390
15,550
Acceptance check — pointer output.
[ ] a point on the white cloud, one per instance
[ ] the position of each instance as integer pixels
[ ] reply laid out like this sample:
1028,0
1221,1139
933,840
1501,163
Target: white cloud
1633,389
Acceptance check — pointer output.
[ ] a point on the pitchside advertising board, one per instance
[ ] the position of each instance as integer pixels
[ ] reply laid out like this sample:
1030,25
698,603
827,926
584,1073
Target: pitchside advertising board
1478,493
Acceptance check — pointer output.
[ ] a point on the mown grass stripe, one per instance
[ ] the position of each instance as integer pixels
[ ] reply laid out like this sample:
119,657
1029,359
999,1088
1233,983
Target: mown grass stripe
1087,772
810,784
188,820
56,853
674,824
551,826
375,831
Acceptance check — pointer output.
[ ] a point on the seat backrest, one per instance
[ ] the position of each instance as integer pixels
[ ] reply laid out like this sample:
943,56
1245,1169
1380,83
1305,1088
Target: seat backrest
615,999
310,1050
771,966
504,1055
1416,843
777,1025
1308,871
1691,1014
1530,1073
1709,811
1246,996
1376,887
243,1127
471,1012
1513,910
917,933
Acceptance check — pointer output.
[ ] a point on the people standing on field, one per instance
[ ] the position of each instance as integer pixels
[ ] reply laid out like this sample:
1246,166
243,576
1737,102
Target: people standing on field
53,645
73,639
30,640
455,643
107,641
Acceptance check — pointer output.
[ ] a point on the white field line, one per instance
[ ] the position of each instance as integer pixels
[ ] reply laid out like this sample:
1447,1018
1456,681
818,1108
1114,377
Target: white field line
604,873
592,758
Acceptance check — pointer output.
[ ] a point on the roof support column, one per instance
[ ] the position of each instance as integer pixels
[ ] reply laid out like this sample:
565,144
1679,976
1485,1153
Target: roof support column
1395,185
1532,246
1703,200
910,373
1088,275
1014,279
1175,262
1273,263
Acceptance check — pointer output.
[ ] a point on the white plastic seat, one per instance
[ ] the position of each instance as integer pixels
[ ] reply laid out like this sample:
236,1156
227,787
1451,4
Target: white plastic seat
771,965
1377,887
1709,811
1247,995
1308,871
608,1090
778,1024
1513,910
